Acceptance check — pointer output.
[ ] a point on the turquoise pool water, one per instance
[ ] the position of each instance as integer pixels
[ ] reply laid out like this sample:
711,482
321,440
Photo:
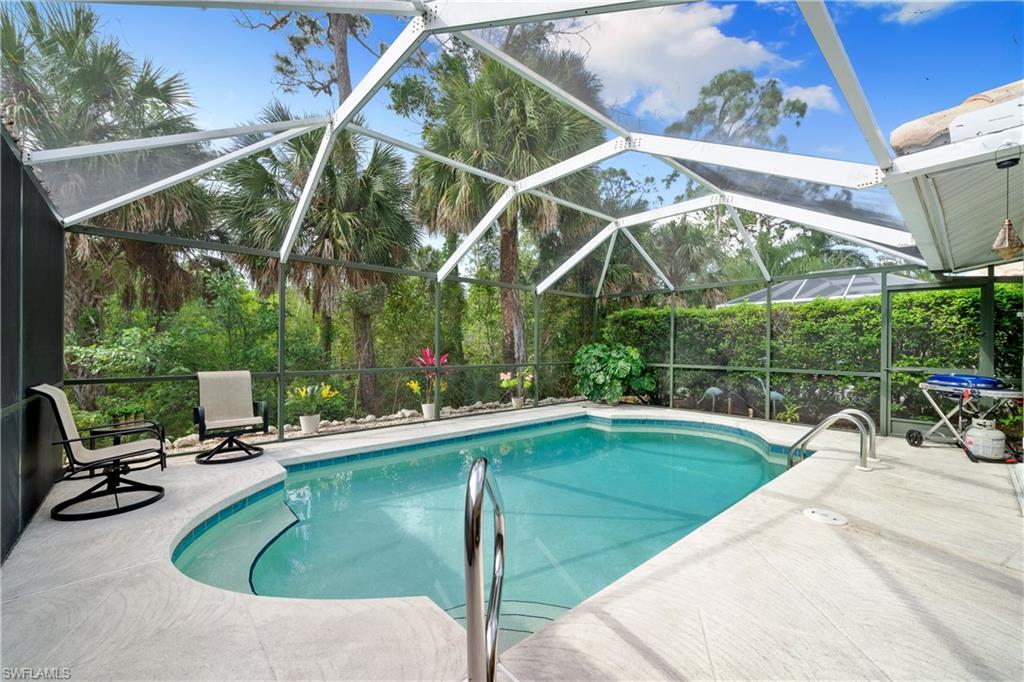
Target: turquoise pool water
584,505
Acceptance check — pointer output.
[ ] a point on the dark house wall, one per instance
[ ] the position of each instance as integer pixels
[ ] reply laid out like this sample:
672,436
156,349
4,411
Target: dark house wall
31,344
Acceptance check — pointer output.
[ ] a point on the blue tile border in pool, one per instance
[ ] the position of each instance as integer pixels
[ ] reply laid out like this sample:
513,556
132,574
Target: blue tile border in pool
422,445
683,426
224,513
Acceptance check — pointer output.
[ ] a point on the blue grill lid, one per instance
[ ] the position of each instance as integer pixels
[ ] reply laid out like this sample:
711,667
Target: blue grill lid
965,381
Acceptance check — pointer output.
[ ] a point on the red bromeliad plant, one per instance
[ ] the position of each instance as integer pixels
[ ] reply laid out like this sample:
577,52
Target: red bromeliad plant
426,359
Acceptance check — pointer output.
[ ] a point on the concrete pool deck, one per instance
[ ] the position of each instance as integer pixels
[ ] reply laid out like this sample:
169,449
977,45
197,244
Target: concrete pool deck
924,582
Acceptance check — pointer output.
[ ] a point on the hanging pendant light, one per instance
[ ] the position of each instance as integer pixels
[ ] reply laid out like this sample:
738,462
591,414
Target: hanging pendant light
1007,244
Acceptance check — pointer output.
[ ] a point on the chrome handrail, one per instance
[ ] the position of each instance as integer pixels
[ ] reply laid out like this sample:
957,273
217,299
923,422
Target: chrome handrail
802,442
872,431
481,629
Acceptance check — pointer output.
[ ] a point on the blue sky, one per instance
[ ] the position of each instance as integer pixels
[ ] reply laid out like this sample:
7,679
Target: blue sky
912,59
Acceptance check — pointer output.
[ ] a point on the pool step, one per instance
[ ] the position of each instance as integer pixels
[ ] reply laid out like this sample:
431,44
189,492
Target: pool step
223,556
519,619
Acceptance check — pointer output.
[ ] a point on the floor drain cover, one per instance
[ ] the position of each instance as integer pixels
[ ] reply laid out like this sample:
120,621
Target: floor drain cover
825,516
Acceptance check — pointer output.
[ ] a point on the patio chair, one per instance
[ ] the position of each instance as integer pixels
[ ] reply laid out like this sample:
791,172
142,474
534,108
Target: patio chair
111,462
226,410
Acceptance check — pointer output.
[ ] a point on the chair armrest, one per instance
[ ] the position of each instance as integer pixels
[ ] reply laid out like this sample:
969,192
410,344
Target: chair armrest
199,419
260,409
141,429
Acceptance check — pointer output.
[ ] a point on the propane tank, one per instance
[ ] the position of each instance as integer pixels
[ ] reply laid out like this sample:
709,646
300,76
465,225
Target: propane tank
985,440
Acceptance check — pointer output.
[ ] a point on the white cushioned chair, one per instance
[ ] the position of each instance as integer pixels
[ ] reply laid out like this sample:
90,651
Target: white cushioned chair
226,410
111,462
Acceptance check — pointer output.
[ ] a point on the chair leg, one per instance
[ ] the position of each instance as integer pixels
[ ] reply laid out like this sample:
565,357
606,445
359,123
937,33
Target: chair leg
229,444
112,485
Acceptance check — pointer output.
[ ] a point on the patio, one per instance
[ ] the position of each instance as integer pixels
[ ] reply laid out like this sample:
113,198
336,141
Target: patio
912,587
392,223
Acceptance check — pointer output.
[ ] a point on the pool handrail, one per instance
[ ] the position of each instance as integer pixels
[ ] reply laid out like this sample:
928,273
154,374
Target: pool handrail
481,628
854,419
872,431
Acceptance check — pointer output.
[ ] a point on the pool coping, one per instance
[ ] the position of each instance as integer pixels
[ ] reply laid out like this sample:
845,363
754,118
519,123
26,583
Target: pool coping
103,597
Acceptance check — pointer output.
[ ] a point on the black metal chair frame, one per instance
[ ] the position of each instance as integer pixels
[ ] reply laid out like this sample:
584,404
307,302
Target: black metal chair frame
112,469
231,442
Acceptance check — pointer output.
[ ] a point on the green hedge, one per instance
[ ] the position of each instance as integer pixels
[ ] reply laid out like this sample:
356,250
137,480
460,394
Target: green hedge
929,328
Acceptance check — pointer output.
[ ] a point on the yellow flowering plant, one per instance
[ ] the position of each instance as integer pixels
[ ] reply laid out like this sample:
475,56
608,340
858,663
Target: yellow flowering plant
310,399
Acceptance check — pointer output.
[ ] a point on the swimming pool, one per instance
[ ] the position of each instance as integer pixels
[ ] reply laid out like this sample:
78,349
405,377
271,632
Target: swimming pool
586,501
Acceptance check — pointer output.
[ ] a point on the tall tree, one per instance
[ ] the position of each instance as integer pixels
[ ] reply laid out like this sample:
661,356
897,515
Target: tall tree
489,117
64,83
309,35
733,108
359,212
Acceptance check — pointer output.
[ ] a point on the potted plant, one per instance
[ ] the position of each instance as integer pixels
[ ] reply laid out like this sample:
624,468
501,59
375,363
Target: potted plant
308,401
126,414
426,390
607,372
519,381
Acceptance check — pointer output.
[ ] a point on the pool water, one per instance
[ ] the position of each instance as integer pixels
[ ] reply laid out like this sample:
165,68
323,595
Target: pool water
584,505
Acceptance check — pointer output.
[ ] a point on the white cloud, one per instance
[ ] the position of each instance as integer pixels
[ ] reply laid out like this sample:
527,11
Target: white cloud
816,97
911,11
658,59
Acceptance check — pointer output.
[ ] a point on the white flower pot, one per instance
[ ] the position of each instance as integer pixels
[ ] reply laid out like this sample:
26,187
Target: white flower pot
517,401
429,410
310,423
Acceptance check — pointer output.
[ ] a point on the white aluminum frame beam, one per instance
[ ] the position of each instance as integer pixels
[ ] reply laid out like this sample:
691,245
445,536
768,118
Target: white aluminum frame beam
590,157
584,251
160,185
35,158
528,74
748,241
647,258
474,236
380,7
672,210
811,168
571,165
824,31
867,234
448,16
607,264
473,170
407,42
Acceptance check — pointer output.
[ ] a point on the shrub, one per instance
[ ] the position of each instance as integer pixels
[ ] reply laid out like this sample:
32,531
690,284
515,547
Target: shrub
929,329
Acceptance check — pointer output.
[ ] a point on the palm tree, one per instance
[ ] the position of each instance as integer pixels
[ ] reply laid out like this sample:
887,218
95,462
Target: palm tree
491,118
787,254
689,251
360,212
66,84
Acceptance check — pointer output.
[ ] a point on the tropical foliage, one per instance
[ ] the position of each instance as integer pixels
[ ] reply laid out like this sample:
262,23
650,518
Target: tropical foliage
139,309
607,372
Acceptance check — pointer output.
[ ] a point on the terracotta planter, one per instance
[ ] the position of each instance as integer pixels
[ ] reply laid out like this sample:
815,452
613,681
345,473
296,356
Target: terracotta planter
429,410
310,423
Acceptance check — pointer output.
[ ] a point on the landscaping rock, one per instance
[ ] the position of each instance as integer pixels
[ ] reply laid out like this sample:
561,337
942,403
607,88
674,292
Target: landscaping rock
350,420
288,428
186,441
272,429
409,414
324,423
446,411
